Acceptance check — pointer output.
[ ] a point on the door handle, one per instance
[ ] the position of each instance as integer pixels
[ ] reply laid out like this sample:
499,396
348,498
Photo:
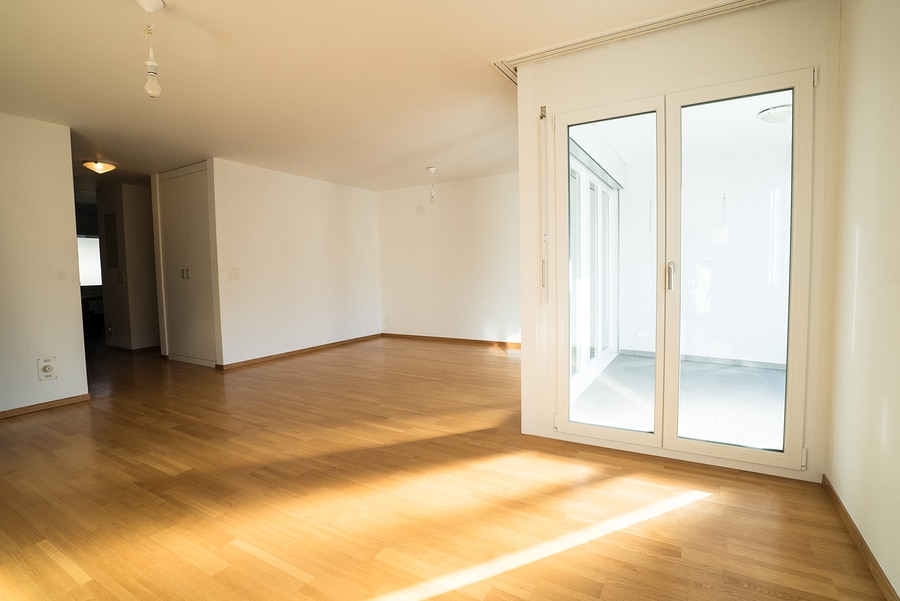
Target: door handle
670,275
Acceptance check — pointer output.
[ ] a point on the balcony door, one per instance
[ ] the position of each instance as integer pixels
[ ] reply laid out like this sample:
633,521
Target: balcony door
686,229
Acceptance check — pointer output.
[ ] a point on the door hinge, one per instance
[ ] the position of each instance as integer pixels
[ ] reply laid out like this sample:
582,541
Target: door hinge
543,112
803,457
815,77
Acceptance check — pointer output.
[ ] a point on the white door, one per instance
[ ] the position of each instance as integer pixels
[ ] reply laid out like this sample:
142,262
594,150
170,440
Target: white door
712,250
184,218
177,293
199,263
621,400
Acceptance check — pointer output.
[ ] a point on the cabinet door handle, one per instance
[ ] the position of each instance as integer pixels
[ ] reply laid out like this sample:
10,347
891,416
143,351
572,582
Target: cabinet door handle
182,274
188,270
670,275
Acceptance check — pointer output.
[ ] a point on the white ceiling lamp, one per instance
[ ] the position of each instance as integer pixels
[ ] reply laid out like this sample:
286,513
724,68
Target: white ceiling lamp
99,166
431,170
151,86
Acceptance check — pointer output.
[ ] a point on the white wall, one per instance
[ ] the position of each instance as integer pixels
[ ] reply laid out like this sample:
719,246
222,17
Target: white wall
775,38
451,268
40,306
865,438
306,252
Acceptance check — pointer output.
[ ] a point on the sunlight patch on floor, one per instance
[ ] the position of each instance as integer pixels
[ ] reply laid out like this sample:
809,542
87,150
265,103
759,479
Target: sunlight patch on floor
495,567
438,490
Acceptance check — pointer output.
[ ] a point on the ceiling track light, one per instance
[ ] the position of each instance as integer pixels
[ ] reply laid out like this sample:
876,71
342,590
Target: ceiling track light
431,170
99,166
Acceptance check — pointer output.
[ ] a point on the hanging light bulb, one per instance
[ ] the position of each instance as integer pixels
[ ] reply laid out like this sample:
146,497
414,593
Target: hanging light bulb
432,170
152,86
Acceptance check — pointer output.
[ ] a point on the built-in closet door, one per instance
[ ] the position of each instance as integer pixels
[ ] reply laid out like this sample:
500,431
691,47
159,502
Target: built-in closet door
198,262
177,296
187,268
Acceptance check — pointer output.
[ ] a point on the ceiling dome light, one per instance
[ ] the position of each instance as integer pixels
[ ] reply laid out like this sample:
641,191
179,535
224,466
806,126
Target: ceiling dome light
98,166
776,114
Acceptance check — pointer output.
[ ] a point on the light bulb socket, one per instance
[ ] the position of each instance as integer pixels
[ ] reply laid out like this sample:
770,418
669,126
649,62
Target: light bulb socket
152,65
151,6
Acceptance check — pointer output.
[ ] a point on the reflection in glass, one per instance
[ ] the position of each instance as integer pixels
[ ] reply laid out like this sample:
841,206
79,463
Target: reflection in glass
735,257
612,267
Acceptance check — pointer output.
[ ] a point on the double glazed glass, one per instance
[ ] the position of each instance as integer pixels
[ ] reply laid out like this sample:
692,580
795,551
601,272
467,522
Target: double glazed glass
612,272
735,259
684,232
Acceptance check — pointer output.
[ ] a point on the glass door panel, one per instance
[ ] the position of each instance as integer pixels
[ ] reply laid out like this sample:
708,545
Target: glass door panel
735,231
612,273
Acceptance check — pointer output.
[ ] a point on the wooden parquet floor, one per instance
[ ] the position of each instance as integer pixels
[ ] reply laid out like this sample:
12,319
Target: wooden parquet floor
385,470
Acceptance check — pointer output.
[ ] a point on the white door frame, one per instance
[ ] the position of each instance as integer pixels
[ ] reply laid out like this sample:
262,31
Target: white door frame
668,138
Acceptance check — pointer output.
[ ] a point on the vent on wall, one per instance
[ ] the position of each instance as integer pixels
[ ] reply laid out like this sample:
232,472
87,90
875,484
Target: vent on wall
508,66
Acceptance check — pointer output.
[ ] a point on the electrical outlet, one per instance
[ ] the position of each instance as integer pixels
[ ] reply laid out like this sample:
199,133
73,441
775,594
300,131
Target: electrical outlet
46,368
234,273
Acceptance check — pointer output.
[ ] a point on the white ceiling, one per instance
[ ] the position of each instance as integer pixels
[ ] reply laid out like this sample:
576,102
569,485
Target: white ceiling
364,93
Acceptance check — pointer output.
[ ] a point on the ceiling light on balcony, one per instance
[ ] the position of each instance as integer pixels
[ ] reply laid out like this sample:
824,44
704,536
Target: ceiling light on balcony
776,114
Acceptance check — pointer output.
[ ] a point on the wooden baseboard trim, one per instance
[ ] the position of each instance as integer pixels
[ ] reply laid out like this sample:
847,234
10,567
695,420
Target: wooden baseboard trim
312,349
303,351
497,343
42,406
877,573
135,351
